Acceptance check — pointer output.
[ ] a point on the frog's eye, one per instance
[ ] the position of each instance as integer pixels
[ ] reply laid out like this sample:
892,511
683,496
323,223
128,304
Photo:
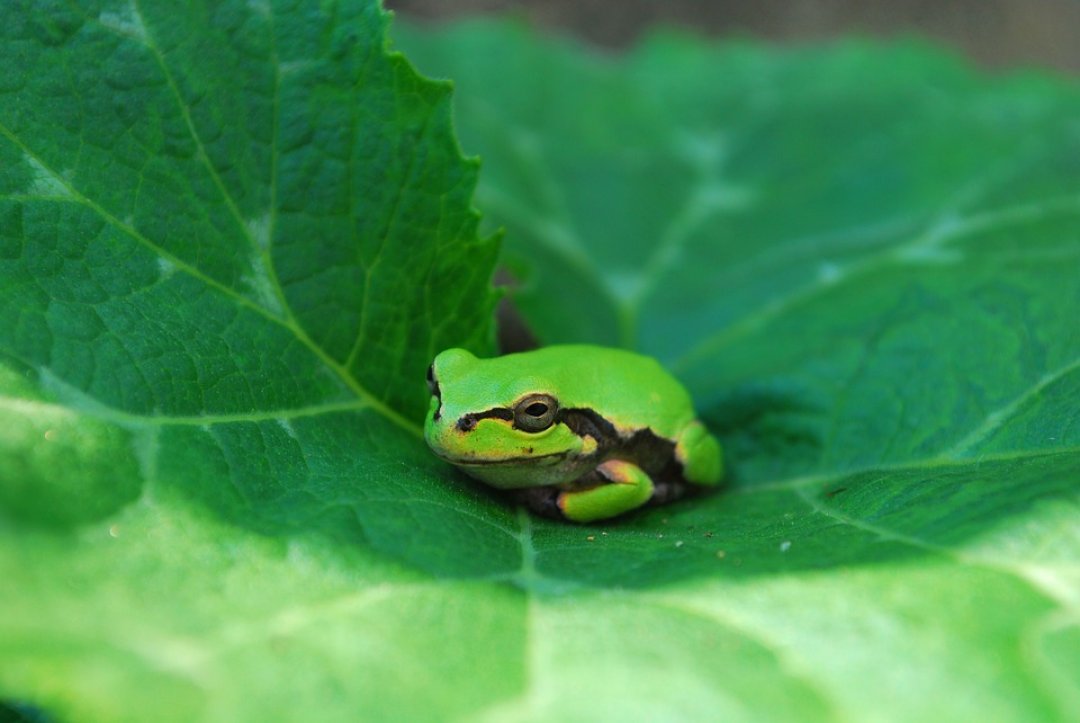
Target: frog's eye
535,413
432,383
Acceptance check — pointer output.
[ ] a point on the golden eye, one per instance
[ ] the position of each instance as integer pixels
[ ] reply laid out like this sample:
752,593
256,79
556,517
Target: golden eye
535,413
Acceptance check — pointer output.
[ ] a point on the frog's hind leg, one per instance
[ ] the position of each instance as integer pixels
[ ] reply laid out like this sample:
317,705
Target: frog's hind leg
622,487
699,455
613,488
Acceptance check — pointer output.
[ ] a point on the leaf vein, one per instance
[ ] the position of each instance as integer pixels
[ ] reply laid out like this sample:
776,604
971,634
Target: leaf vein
941,231
998,418
196,137
1017,570
796,483
227,291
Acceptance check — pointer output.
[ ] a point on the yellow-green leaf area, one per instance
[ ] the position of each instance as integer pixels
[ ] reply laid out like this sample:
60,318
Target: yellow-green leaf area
58,466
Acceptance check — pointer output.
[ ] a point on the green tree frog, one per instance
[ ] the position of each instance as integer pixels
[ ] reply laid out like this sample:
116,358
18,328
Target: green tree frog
578,432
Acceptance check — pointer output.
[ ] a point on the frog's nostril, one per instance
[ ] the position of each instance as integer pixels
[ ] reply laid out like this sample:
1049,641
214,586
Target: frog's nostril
467,423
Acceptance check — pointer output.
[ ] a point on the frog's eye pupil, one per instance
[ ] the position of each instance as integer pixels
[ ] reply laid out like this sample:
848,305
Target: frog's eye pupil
535,413
538,409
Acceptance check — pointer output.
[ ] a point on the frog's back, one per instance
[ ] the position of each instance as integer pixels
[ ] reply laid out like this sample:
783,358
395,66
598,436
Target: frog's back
629,390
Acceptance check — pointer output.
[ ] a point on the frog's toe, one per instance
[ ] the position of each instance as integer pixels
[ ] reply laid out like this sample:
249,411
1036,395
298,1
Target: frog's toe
670,490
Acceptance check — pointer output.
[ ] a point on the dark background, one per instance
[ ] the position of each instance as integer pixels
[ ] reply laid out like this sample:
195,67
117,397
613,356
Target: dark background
995,33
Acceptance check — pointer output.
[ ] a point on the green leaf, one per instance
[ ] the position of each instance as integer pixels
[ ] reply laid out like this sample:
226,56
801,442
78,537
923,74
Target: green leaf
863,260
231,240
232,237
230,282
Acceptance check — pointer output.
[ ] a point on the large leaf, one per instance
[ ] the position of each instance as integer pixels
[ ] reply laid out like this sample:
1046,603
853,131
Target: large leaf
865,263
230,240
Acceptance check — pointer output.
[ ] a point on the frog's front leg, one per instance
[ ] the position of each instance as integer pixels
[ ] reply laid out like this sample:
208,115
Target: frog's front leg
622,486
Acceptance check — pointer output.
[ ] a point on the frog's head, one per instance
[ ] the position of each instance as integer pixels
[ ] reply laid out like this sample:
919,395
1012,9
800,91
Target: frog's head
499,423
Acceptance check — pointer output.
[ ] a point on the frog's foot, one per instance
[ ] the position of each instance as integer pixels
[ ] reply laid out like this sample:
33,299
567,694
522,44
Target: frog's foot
623,487
543,501
670,490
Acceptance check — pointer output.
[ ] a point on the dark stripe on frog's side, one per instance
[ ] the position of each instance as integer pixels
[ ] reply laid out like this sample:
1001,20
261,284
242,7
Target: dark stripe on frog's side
654,454
584,422
645,448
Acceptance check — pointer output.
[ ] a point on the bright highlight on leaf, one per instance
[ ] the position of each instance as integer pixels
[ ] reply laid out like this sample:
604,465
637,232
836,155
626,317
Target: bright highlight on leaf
233,236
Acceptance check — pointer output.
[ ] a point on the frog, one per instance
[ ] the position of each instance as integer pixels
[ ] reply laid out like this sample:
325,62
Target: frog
574,432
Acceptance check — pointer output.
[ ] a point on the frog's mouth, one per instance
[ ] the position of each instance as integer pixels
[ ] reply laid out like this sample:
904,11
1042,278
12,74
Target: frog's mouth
539,459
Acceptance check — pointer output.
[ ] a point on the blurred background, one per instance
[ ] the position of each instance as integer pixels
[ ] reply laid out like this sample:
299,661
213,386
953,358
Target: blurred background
994,33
